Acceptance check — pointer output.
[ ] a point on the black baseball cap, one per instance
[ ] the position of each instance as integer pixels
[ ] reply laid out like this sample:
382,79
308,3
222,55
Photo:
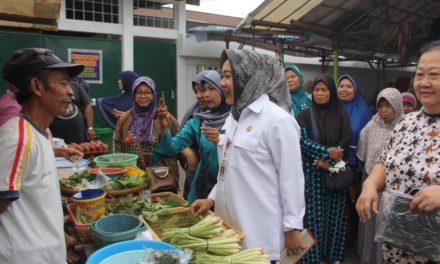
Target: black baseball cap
27,62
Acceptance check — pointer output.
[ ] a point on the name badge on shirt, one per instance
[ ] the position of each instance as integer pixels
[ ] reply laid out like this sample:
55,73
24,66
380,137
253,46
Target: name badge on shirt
225,157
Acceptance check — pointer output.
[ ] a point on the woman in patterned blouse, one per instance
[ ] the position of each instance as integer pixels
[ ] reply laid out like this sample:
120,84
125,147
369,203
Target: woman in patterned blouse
411,158
372,141
137,131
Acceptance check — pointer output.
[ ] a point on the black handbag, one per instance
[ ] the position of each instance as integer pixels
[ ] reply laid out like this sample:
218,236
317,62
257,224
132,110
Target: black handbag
332,181
337,181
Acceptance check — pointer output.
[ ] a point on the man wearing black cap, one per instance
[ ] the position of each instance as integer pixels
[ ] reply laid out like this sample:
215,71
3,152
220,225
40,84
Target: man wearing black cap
31,216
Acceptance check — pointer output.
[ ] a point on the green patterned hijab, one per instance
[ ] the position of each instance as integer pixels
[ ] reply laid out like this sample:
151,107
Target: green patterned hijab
299,98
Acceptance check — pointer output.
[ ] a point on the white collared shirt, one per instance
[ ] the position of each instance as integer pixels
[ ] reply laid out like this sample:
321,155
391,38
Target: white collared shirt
261,190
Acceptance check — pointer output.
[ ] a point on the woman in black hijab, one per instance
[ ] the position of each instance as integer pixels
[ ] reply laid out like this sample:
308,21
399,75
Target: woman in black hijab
322,147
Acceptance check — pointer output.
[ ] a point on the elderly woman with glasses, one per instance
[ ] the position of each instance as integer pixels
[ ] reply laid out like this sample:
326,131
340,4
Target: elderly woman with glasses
137,131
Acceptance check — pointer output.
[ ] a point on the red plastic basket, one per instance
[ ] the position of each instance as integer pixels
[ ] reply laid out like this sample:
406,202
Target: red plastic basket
83,230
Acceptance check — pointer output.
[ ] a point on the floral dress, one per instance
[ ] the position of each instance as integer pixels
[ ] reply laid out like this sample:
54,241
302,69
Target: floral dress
411,159
325,211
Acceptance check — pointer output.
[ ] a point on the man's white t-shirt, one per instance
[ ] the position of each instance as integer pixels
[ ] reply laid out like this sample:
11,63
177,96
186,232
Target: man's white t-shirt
31,228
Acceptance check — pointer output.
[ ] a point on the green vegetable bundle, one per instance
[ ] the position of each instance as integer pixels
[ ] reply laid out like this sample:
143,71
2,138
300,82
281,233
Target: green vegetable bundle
247,256
126,182
137,205
225,244
208,227
80,219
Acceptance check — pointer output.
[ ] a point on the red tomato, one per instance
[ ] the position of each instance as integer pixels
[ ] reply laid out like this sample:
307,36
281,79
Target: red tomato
127,139
94,146
104,148
86,147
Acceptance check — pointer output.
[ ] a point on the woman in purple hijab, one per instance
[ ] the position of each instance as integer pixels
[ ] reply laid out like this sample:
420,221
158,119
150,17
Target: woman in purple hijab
137,131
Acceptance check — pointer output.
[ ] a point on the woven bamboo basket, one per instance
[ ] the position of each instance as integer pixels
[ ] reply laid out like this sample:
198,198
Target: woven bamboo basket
180,217
155,198
166,196
112,193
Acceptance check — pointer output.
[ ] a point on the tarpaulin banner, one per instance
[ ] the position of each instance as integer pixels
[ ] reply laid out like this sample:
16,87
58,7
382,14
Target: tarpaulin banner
92,61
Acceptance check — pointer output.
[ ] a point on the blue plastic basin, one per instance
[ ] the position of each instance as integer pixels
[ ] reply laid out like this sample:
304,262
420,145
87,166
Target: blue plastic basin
125,246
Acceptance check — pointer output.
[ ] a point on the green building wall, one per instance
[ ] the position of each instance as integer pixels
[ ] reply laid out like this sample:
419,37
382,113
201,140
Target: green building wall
154,59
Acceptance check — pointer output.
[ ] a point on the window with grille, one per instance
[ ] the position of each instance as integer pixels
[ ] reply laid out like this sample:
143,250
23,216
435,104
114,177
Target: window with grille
153,14
93,10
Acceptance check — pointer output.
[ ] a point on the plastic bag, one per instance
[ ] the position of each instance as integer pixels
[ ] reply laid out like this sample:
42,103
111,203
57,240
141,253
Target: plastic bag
100,180
166,256
398,227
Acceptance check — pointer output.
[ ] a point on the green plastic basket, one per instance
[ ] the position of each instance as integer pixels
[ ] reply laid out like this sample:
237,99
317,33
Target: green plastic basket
116,160
117,224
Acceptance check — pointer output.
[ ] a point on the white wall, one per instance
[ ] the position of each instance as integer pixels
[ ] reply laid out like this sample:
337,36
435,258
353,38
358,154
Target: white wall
192,53
208,53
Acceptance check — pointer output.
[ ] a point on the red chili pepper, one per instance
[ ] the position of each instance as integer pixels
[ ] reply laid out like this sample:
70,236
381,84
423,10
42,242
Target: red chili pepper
127,139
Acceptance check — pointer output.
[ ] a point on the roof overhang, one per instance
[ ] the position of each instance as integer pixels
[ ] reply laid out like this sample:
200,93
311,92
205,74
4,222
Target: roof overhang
388,31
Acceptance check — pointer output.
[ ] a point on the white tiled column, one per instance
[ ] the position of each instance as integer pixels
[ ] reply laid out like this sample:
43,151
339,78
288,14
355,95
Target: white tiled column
180,18
127,49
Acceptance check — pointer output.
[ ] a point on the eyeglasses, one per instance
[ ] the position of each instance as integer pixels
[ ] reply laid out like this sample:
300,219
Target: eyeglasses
144,94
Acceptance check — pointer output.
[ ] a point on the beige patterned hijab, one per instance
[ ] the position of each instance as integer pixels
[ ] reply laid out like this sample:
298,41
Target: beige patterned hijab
375,135
253,75
393,96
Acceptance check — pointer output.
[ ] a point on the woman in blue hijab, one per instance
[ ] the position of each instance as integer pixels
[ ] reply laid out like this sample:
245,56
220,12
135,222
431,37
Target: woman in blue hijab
295,81
359,114
357,109
119,103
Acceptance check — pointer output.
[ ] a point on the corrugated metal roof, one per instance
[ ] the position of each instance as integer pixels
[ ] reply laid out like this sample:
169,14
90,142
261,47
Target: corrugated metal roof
365,28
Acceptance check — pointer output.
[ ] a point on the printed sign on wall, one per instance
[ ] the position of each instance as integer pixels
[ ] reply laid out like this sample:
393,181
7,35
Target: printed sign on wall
92,61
